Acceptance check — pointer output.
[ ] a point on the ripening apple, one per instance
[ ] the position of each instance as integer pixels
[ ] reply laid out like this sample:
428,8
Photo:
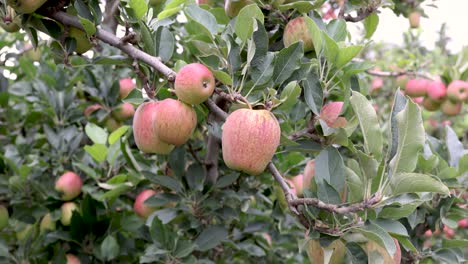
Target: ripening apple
176,121
3,217
25,233
428,233
140,208
26,6
194,83
449,232
126,85
451,108
414,19
47,223
377,84
416,87
91,109
309,173
430,104
436,90
298,182
249,140
297,30
112,124
67,212
210,3
69,184
330,114
83,44
124,112
145,130
233,7
463,223
72,259
458,91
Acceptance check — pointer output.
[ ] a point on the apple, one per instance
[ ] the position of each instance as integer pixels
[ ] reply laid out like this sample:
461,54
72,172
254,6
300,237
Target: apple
3,217
309,173
83,44
67,212
418,100
249,140
458,91
26,6
126,85
145,130
416,87
124,112
176,123
298,182
210,3
91,109
414,18
330,114
268,238
428,233
70,185
140,208
32,53
72,259
298,30
451,108
463,223
47,223
232,7
436,90
377,84
449,232
194,83
430,104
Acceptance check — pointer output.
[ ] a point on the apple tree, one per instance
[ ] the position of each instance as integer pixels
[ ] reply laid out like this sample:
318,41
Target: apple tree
239,131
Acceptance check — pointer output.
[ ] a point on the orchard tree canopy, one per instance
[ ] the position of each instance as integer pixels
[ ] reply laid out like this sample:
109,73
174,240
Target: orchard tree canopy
237,131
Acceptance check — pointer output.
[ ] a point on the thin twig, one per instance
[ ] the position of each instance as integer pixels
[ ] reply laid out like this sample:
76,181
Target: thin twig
397,73
335,208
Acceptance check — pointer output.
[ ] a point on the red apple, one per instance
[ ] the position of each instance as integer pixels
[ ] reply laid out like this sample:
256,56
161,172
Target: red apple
145,130
194,83
176,123
458,91
436,90
416,87
124,111
428,233
292,186
449,232
330,114
91,109
298,182
298,30
414,19
67,212
451,108
140,208
377,84
418,100
126,86
430,104
72,259
463,223
26,6
249,140
69,184
4,216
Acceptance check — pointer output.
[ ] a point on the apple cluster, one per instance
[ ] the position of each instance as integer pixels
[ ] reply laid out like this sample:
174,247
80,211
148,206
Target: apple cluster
69,185
435,95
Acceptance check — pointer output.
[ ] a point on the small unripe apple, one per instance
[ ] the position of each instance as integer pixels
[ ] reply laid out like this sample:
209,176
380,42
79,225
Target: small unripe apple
449,232
436,90
72,259
47,223
309,173
430,104
124,111
69,184
463,223
176,121
298,182
126,86
458,91
140,208
298,30
249,140
32,53
451,108
67,212
416,87
83,44
414,19
145,130
26,6
377,84
3,217
194,83
232,7
91,109
330,114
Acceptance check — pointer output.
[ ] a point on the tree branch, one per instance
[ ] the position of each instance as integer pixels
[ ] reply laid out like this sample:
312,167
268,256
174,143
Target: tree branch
397,73
362,13
335,208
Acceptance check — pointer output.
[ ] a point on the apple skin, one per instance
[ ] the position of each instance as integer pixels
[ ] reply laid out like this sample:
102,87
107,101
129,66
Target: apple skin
436,90
449,232
69,184
377,84
26,6
430,104
458,91
297,30
292,187
67,212
463,223
3,217
82,41
47,223
176,123
428,233
451,108
330,114
25,233
298,182
249,140
416,87
194,83
126,85
145,130
140,208
72,259
124,111
233,7
414,19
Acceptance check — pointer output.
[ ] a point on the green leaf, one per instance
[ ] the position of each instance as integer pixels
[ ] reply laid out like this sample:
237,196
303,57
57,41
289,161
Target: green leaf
392,226
165,44
337,30
165,181
355,185
139,7
346,54
117,134
302,6
97,134
227,180
245,21
313,93
110,248
202,17
369,122
211,237
406,243
379,235
97,151
454,147
223,77
263,72
287,61
330,49
329,167
184,248
290,95
88,26
169,12
260,38
370,24
196,177
317,34
455,243
416,182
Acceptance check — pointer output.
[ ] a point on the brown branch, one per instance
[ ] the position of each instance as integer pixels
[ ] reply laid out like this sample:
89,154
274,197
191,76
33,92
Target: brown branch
146,83
290,197
397,73
111,11
362,13
335,208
